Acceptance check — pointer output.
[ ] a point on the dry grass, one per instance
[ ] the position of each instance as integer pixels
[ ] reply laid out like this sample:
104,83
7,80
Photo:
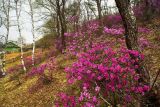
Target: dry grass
14,95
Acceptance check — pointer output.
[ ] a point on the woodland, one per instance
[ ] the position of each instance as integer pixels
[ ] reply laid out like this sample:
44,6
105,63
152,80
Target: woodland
92,53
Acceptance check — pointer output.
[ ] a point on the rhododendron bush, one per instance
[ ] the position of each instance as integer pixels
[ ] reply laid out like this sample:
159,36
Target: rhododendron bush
40,70
105,72
119,30
83,40
40,57
143,6
105,75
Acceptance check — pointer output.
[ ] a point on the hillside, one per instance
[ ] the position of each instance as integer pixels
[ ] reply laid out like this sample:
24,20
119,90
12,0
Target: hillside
32,92
93,53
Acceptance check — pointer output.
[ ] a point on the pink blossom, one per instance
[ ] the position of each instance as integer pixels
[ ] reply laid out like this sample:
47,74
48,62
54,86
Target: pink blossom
97,89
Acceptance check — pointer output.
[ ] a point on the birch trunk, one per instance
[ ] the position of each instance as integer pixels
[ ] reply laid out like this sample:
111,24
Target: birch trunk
2,64
6,9
1,68
20,34
33,32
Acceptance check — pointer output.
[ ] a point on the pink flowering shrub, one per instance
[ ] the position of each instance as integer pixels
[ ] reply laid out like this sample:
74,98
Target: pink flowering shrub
139,11
112,19
28,64
40,70
83,39
106,76
65,101
90,33
113,31
90,26
14,69
140,8
143,30
143,42
75,42
39,57
120,31
44,72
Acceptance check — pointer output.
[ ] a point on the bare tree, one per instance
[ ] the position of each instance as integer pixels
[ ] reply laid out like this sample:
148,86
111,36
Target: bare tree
5,9
18,11
57,7
33,32
6,6
90,9
60,7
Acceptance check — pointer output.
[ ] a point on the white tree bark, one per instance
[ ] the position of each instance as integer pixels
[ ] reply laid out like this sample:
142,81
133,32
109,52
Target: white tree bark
6,11
2,63
20,34
33,32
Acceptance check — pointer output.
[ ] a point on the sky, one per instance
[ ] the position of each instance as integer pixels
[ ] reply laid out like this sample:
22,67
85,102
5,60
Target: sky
25,23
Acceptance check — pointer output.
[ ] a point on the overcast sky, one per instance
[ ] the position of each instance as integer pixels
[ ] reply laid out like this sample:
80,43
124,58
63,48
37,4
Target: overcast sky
26,24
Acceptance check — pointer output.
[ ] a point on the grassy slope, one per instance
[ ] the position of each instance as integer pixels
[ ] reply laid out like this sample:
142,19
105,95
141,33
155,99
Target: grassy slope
12,95
153,52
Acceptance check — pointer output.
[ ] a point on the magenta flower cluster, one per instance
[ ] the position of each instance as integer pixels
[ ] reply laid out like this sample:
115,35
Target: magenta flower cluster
143,30
28,63
143,42
112,19
39,58
113,31
37,70
40,70
106,73
65,101
120,31
90,26
81,40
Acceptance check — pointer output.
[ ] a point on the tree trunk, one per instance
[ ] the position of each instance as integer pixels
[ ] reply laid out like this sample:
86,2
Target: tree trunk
131,35
64,27
61,17
20,34
78,14
98,2
2,64
33,32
